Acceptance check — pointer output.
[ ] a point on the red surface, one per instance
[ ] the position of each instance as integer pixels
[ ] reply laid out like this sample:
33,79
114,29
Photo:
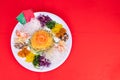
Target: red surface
95,27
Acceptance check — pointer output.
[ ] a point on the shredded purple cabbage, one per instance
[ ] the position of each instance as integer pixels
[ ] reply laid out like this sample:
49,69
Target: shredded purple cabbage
44,19
44,62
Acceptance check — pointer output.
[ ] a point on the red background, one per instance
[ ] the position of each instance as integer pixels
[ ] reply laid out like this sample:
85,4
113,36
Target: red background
95,27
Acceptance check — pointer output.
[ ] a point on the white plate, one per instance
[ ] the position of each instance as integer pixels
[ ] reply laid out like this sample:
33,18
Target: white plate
29,66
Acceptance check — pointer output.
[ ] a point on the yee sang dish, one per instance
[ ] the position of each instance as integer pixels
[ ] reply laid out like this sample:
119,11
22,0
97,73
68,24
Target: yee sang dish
40,40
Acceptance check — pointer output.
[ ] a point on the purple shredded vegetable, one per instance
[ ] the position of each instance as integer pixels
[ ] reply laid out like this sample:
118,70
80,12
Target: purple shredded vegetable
44,19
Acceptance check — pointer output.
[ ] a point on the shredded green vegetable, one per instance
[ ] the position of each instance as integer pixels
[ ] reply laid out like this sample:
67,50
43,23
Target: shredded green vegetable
51,24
